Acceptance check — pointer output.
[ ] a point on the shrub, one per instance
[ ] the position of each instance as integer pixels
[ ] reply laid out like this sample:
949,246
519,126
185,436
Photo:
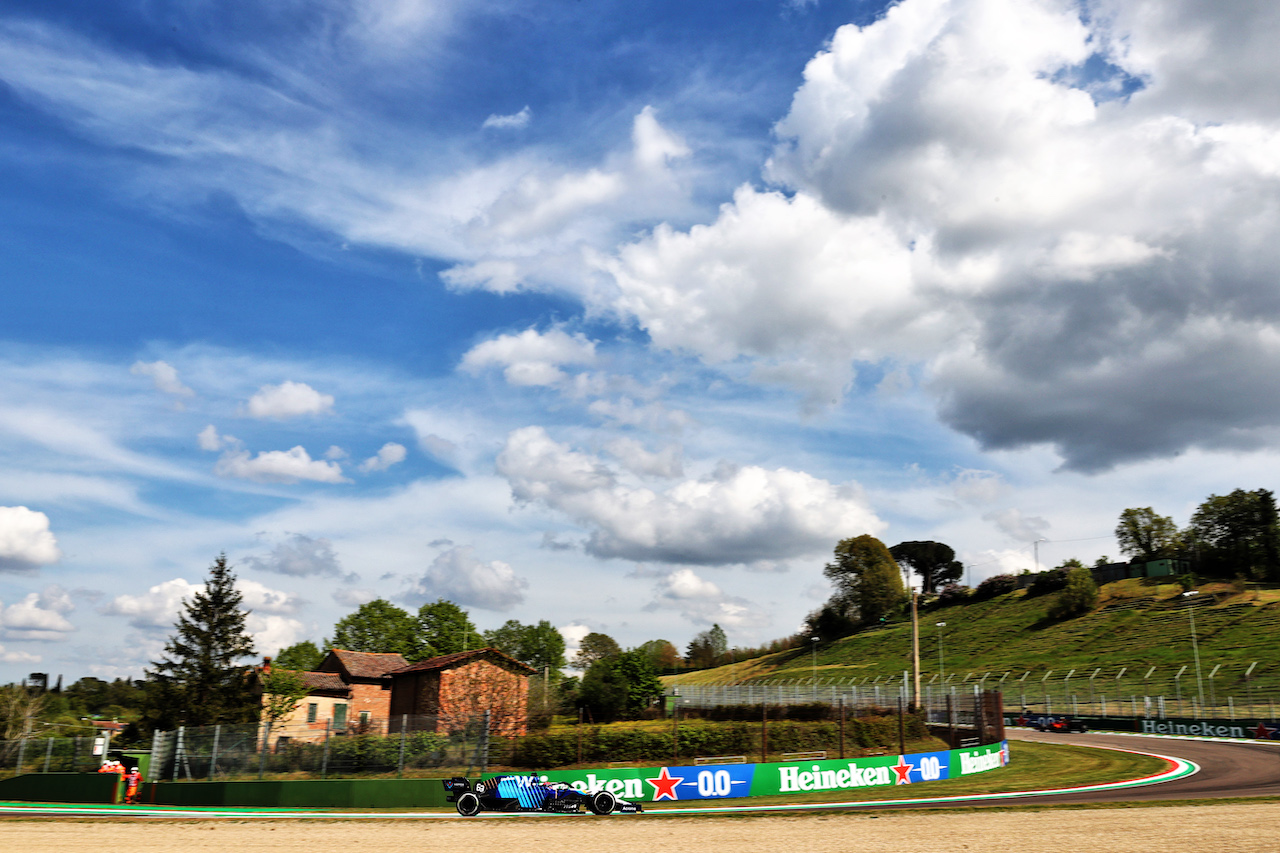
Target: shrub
953,593
994,586
1047,582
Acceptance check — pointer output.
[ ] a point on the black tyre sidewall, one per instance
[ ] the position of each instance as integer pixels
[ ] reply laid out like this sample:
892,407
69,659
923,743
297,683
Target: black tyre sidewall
602,802
468,804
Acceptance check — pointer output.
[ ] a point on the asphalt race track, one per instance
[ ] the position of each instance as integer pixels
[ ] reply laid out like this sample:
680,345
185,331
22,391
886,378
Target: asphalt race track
1227,768
1210,770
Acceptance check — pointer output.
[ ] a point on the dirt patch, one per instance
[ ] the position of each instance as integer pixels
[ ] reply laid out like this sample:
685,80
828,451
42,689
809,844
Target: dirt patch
1240,828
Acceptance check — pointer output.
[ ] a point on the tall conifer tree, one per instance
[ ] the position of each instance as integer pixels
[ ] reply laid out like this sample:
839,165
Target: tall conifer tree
202,679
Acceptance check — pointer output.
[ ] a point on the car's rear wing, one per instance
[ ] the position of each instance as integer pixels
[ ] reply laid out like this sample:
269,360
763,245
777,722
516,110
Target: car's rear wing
455,786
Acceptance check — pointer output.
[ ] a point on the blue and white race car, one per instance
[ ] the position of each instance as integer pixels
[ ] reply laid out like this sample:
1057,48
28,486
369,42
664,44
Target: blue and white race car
530,794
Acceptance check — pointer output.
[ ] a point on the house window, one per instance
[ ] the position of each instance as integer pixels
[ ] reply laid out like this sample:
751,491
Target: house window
364,718
312,710
339,716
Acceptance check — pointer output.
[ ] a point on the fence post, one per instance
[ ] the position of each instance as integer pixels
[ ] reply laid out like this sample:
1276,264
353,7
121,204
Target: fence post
579,735
48,755
75,752
484,744
842,727
324,765
404,728
902,729
22,751
262,755
213,757
764,732
153,770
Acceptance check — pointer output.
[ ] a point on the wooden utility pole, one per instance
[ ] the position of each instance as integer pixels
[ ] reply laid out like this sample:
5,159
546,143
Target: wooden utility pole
915,647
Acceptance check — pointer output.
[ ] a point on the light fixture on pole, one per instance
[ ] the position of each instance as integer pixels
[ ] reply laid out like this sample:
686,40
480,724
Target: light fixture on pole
942,671
1195,647
1036,546
813,664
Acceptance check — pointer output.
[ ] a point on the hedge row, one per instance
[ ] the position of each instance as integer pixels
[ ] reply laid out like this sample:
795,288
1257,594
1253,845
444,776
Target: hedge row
603,744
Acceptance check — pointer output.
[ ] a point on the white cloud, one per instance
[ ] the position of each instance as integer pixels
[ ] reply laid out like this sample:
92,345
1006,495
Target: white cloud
158,607
279,466
352,597
1012,523
515,121
389,454
271,633
636,458
531,357
299,556
25,539
258,597
164,375
459,576
704,603
39,616
736,515
1086,274
209,439
289,400
7,656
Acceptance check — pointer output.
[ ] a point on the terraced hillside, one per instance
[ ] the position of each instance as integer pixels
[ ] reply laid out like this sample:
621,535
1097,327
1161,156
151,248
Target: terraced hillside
1136,643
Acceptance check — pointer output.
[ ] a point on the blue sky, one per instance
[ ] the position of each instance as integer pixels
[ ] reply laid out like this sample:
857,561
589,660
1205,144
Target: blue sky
617,315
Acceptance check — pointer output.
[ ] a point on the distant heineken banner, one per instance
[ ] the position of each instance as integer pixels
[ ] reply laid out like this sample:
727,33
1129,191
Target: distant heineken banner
1186,727
651,784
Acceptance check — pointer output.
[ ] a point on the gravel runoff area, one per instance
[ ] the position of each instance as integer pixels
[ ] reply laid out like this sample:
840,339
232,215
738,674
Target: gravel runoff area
1226,828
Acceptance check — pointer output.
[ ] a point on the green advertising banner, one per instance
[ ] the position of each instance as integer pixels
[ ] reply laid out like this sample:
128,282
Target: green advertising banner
654,784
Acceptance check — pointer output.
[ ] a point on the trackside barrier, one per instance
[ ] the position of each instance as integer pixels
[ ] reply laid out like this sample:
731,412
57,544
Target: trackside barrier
1233,730
655,784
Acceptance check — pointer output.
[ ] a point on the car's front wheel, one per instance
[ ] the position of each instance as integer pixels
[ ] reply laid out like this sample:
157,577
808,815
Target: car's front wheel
602,802
468,804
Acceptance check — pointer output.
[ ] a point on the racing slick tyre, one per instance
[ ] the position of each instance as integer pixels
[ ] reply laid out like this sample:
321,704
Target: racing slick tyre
602,802
468,804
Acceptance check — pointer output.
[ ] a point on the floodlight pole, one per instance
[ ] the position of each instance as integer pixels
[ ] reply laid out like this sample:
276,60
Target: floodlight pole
1195,646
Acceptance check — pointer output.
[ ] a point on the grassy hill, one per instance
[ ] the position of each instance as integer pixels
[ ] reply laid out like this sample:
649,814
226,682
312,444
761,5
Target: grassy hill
1133,643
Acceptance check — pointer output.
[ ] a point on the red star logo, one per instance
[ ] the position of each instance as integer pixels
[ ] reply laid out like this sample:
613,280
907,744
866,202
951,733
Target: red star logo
665,786
1262,732
903,769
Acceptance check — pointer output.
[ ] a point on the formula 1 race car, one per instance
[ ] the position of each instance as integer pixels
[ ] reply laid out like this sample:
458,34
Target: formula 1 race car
530,794
1056,724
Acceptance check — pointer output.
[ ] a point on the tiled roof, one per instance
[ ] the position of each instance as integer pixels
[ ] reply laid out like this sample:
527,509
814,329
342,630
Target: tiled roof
368,664
330,681
458,658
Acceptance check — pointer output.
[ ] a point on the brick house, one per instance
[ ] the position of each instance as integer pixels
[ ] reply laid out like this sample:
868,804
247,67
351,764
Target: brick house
348,690
458,687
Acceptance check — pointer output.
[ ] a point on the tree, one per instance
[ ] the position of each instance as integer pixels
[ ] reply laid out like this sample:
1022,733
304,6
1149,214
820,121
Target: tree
868,583
708,648
1236,534
446,627
623,685
595,646
1145,536
202,680
540,646
20,706
934,562
380,626
1078,597
282,691
300,657
661,654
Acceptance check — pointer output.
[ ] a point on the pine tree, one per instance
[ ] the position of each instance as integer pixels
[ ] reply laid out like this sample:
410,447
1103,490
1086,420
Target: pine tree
201,680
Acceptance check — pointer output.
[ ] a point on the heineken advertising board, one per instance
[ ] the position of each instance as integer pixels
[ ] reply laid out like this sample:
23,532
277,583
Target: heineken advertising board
716,781
1242,729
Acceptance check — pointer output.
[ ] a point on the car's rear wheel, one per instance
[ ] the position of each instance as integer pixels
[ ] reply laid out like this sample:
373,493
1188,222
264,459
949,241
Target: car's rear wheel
602,802
468,804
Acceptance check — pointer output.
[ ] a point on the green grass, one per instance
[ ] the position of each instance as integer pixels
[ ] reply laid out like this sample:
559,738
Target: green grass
1137,626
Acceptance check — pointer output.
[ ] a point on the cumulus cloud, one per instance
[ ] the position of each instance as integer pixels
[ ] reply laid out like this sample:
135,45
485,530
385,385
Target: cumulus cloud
271,633
39,616
158,607
164,376
299,556
531,357
459,576
514,121
1068,220
258,597
736,515
209,439
289,400
636,458
389,454
25,539
14,656
704,603
279,466
352,597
